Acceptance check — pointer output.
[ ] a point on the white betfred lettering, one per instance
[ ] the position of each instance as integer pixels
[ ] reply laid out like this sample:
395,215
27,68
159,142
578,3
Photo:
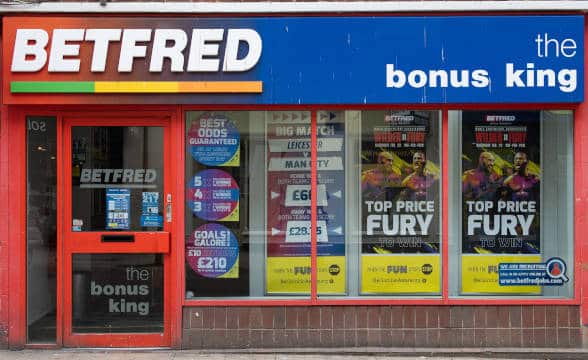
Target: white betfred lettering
129,50
567,79
86,175
174,53
480,78
202,47
234,38
29,43
531,77
34,49
106,176
101,38
60,49
513,78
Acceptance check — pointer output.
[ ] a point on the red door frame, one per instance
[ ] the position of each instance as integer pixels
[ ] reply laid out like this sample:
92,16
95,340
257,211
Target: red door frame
89,242
15,116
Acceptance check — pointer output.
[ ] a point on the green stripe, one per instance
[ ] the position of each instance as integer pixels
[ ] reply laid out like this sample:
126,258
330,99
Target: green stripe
59,87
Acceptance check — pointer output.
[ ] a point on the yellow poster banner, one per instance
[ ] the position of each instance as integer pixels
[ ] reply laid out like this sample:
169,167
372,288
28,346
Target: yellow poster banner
291,275
479,274
400,274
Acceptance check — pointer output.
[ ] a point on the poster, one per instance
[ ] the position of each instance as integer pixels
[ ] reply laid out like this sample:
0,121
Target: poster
213,195
150,216
213,252
214,140
501,182
289,199
400,202
216,244
118,205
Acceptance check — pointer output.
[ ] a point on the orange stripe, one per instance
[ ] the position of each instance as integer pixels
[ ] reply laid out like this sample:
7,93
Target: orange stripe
220,87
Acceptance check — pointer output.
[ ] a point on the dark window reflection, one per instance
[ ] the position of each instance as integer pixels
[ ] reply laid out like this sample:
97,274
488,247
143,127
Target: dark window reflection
41,229
117,293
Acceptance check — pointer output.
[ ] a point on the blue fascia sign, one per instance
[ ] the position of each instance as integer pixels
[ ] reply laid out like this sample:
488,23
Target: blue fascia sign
420,60
302,60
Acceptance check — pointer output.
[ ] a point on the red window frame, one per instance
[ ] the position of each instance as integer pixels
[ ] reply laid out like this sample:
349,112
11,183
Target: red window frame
445,298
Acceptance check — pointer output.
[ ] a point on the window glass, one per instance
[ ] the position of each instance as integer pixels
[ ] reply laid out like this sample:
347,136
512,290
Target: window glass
218,178
514,223
117,293
41,229
117,178
289,212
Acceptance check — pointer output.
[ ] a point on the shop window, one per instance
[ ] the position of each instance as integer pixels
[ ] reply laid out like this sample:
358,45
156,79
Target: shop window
236,224
512,176
378,197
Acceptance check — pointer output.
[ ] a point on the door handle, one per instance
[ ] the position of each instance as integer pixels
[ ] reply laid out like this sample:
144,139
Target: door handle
168,208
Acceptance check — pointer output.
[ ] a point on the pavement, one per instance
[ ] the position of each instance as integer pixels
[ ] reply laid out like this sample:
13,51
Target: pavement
296,354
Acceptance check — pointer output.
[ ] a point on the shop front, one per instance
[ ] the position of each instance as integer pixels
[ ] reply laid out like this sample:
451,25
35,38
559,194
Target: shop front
294,181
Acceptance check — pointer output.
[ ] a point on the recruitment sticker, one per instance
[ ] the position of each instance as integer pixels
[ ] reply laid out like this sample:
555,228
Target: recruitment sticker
550,273
213,252
214,140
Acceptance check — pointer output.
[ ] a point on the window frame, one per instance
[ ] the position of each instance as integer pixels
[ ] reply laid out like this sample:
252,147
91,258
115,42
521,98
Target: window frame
445,298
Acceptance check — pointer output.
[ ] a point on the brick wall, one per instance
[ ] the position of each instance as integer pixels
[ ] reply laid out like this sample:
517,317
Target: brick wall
381,326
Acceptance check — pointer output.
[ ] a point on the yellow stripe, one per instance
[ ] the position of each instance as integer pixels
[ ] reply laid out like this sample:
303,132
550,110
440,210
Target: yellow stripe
178,87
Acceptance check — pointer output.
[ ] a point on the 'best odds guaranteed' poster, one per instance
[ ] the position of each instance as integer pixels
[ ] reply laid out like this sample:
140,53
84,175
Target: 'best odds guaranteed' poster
213,195
400,202
289,196
500,191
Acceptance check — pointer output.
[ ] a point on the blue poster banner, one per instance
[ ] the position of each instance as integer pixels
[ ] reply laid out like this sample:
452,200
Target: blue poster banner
550,273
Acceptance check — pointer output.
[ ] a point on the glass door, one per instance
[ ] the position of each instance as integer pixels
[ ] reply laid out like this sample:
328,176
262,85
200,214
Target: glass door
117,224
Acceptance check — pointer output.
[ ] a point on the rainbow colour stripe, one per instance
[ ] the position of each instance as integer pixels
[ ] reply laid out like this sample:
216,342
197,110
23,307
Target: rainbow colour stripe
136,87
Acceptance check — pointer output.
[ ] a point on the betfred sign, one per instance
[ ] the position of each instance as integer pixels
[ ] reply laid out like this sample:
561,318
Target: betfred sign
294,60
32,53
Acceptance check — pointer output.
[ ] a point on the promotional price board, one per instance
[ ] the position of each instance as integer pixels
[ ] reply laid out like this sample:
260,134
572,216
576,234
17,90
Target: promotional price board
118,205
501,196
400,202
213,195
213,251
289,198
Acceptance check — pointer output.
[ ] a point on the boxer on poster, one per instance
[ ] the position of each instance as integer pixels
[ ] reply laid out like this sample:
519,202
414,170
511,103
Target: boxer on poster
522,184
375,180
419,181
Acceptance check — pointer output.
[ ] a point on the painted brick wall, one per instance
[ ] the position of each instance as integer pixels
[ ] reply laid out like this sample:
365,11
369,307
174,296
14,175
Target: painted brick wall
3,236
382,326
